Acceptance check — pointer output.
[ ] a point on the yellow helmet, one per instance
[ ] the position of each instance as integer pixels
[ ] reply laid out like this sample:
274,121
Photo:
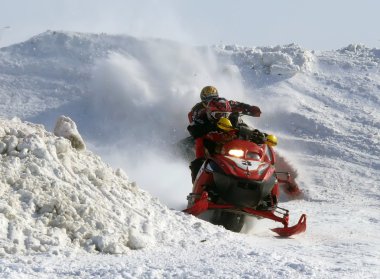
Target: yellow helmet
225,124
271,140
209,92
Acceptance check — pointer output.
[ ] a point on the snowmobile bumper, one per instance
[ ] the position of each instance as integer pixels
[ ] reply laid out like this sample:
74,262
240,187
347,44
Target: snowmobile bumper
203,204
286,231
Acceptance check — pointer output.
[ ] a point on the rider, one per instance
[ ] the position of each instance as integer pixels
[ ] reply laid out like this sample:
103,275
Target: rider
198,112
204,117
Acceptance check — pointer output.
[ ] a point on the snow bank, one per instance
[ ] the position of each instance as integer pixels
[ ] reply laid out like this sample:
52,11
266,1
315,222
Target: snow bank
55,197
277,61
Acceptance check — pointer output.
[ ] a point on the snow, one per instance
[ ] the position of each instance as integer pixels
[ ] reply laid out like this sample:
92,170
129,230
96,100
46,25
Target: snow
66,212
66,128
55,198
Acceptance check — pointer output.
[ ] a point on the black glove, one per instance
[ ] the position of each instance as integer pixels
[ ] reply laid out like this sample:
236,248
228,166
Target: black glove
197,131
258,137
254,111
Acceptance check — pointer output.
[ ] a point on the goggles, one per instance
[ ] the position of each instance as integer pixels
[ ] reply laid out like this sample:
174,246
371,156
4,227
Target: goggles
219,114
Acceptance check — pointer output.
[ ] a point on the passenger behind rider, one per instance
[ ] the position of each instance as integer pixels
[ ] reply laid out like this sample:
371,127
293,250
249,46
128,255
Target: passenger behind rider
204,117
225,132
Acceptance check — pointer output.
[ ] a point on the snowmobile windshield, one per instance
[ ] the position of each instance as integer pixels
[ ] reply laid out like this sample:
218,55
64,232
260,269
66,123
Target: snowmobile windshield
253,155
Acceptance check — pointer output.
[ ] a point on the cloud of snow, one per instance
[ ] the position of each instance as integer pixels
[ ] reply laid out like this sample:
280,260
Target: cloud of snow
141,100
142,96
162,175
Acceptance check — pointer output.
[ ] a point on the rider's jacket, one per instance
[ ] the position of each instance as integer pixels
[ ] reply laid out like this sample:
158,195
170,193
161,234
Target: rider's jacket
200,123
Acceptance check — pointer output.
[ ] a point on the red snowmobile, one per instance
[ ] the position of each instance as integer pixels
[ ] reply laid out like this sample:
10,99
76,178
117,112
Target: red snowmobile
240,179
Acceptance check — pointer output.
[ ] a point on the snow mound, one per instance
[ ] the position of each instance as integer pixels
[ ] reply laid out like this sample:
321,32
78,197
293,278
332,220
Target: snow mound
55,197
57,64
277,61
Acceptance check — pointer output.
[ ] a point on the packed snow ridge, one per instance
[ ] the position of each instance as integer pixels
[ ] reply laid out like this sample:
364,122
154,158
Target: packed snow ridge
279,60
56,197
62,64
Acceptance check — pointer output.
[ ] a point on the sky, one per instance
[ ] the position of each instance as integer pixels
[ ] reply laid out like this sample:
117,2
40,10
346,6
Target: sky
318,25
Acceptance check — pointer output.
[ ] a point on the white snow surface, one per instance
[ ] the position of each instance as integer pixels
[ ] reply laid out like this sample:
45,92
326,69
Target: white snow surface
65,213
55,197
66,128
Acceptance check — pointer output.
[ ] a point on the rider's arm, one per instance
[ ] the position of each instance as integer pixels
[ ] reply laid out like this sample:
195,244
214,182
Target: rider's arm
245,108
198,130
